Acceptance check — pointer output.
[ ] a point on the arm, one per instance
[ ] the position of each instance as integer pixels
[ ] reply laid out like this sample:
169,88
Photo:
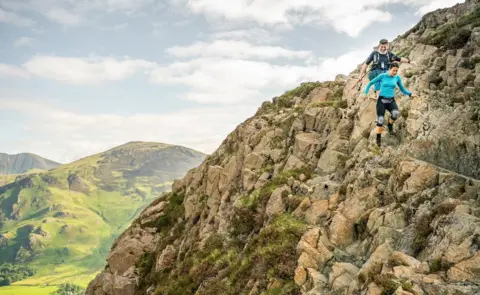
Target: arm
378,78
366,63
402,88
364,69
399,59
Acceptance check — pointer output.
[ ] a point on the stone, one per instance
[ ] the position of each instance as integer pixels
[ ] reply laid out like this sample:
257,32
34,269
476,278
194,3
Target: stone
153,209
452,63
311,237
457,253
466,270
330,161
432,279
374,289
253,161
341,78
294,163
300,276
262,180
320,258
462,209
319,94
290,181
403,272
316,279
306,145
316,210
400,291
276,203
341,230
249,179
463,75
395,220
166,259
302,177
125,255
342,275
375,220
423,177
404,259
304,205
374,264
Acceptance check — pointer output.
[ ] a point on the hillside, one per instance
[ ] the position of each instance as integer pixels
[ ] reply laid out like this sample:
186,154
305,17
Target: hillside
298,199
21,163
62,222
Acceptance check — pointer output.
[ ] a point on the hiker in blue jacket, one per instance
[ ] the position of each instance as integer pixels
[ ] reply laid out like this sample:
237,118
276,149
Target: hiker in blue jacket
381,58
386,100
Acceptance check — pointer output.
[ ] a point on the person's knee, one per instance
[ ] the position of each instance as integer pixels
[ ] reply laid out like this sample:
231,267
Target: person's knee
395,114
380,121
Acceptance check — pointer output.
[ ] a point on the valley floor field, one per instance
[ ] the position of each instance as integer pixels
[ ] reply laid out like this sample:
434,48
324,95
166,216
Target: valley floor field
27,290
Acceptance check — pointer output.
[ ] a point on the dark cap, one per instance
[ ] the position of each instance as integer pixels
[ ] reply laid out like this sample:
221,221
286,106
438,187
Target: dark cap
383,41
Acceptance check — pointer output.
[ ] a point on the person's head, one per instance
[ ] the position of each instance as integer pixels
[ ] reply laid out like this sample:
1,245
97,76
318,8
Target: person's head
383,45
393,69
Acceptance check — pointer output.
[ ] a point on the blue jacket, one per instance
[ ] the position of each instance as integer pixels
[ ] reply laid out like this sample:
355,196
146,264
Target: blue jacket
388,84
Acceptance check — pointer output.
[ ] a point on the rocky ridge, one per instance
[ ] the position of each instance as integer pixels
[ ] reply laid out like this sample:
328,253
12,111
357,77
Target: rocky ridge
298,199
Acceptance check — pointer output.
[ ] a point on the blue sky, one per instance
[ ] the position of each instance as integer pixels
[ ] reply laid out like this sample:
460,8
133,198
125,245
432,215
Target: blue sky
80,76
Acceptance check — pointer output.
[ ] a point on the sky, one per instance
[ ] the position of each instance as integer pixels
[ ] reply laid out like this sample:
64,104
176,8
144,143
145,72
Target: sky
78,77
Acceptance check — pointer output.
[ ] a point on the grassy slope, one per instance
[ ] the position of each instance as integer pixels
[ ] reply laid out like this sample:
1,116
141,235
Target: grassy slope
27,290
8,178
77,252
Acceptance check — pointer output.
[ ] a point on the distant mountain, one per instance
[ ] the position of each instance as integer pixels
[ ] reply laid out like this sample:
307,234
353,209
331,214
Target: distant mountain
62,222
21,163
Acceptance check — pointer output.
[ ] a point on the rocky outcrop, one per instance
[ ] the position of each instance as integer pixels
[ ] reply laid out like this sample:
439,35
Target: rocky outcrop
298,200
76,183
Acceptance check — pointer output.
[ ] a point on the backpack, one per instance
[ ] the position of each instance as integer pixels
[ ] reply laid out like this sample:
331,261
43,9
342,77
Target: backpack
376,58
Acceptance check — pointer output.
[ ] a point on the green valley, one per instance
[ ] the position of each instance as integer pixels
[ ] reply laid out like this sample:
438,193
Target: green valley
62,222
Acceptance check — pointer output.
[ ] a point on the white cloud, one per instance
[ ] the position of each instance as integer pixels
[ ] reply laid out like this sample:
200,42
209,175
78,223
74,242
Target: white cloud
428,6
126,5
85,71
236,49
12,71
24,41
114,27
78,12
14,19
232,81
344,16
341,14
258,35
158,28
64,135
63,16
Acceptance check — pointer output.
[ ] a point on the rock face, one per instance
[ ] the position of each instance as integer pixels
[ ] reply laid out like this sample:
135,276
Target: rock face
298,200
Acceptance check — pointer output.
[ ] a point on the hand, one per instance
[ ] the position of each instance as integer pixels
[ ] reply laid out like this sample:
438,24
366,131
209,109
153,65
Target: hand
414,95
413,63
